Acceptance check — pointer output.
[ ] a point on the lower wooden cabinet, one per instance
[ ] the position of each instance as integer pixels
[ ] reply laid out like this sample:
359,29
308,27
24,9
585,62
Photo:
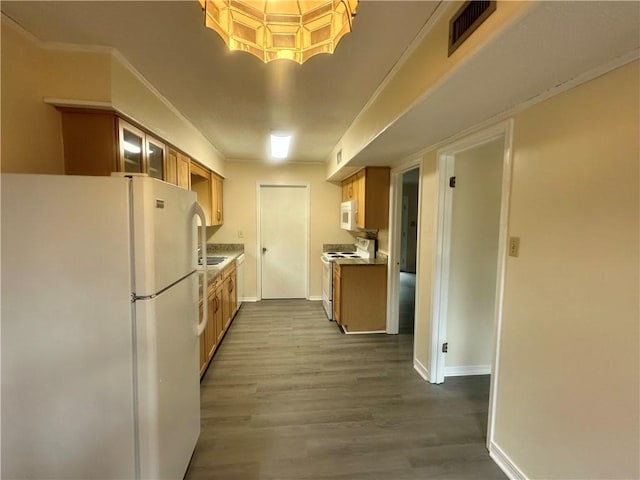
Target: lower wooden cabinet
360,297
229,300
336,292
222,307
218,315
204,359
210,339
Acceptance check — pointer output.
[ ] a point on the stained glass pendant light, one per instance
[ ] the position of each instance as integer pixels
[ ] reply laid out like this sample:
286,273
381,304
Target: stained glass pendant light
272,29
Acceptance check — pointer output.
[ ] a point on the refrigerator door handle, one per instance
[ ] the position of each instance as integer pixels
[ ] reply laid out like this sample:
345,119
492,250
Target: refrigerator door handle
203,245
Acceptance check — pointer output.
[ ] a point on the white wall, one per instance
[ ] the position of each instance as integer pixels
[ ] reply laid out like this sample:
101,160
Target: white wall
240,214
475,222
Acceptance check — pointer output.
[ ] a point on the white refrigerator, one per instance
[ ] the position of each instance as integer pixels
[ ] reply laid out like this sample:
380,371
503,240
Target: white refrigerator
99,344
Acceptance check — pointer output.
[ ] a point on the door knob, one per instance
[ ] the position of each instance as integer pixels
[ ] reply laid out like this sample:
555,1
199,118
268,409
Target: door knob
264,249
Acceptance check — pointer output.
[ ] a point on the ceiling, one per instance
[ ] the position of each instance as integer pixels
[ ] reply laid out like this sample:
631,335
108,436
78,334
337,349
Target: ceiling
235,100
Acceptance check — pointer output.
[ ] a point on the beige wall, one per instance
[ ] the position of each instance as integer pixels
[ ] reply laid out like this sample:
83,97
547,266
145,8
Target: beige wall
567,403
32,70
382,240
240,214
31,129
475,223
568,398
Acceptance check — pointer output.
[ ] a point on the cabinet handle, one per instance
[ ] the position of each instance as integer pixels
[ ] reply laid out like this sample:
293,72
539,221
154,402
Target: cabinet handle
219,215
230,286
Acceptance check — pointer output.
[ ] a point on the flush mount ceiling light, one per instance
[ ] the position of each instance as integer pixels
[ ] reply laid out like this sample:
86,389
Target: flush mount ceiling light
280,145
288,29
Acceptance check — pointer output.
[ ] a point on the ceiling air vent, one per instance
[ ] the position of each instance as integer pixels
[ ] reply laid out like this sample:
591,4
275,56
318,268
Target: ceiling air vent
470,16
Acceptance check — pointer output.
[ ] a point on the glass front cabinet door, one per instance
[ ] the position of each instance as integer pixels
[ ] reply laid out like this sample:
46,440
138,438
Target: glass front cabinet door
132,146
156,158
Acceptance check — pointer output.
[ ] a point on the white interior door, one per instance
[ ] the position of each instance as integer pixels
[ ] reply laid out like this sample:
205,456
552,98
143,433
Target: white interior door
284,240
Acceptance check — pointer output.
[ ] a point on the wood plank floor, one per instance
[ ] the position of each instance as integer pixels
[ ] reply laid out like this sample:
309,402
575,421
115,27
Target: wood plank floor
289,397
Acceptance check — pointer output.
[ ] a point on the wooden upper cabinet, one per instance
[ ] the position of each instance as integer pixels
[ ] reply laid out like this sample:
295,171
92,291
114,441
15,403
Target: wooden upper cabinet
178,169
350,189
184,171
361,190
171,172
217,207
100,142
90,142
201,184
370,189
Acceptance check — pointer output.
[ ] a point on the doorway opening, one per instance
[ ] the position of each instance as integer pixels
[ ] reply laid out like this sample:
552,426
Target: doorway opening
470,255
404,241
408,251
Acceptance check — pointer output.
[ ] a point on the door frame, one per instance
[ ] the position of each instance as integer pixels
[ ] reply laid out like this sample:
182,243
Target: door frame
307,188
445,158
395,226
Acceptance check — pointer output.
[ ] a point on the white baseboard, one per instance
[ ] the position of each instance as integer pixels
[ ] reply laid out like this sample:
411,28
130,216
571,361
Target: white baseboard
505,463
347,332
421,369
464,370
315,298
255,299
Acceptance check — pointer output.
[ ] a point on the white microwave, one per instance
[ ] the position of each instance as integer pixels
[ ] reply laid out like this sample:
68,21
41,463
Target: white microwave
348,215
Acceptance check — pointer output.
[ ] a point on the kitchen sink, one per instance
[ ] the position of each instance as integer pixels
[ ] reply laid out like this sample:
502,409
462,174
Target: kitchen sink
213,260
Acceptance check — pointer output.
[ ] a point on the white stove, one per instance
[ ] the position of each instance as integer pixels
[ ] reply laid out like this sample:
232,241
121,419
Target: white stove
365,248
330,256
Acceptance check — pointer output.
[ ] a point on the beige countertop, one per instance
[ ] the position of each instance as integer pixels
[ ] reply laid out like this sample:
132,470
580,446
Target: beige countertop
361,261
214,271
